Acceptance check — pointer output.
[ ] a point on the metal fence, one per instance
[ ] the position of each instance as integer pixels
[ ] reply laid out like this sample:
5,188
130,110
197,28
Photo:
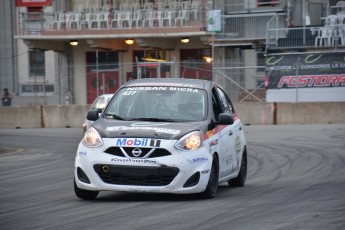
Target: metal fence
242,83
240,6
248,26
307,37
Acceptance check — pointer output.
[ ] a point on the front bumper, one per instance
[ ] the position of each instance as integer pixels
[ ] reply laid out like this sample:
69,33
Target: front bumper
100,169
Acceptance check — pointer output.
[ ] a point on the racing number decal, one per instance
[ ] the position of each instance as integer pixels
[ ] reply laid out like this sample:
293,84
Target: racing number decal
129,93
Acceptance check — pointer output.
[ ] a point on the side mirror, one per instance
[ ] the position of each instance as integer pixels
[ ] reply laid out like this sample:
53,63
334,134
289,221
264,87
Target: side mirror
225,119
92,115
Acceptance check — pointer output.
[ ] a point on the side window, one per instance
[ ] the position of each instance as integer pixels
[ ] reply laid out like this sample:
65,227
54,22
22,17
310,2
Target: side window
217,109
224,102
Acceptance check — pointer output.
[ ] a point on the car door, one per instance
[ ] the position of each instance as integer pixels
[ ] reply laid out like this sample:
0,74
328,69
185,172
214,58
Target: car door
226,142
236,129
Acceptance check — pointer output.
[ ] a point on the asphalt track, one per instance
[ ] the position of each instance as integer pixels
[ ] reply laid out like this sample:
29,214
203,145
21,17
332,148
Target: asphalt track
296,180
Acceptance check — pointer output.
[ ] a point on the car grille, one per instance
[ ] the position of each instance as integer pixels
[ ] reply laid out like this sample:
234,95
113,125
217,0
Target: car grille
150,152
136,175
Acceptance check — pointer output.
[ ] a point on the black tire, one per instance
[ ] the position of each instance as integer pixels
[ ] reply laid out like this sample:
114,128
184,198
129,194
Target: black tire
212,185
240,180
84,194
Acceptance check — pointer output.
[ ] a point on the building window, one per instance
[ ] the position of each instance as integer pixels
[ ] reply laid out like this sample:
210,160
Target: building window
107,61
41,89
37,63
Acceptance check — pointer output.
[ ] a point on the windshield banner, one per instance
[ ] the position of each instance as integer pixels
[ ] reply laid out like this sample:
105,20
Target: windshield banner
305,71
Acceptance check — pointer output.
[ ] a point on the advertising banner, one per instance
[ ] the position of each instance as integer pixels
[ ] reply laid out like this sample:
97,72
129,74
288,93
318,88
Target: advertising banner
303,71
305,77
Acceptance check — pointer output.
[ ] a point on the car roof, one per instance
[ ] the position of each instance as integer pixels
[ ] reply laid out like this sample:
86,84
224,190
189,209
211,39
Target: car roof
178,82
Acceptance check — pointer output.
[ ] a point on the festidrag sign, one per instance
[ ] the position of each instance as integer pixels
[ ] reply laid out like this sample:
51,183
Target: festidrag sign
307,77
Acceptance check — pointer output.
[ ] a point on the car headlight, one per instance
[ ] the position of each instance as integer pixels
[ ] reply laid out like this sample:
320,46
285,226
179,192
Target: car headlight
190,141
92,138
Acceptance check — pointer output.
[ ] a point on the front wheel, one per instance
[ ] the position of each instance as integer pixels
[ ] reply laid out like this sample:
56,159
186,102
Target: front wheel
240,180
212,186
84,194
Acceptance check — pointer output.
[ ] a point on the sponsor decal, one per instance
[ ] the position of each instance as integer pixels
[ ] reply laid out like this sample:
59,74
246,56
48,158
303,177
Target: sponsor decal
166,84
273,60
205,171
213,132
82,153
137,142
310,59
312,81
213,142
156,129
200,159
146,88
163,88
131,160
141,124
155,143
184,89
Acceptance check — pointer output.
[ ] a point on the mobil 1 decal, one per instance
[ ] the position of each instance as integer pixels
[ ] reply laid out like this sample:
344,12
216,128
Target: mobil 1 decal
305,70
137,142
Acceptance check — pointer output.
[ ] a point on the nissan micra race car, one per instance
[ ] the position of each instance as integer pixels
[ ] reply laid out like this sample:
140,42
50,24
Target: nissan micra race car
167,135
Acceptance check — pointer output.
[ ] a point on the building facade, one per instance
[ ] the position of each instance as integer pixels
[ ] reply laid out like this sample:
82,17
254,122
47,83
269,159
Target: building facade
71,51
8,48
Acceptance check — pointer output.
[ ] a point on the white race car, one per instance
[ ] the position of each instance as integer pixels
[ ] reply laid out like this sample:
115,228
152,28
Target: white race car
162,136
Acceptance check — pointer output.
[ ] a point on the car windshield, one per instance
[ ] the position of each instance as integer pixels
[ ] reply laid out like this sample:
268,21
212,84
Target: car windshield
163,103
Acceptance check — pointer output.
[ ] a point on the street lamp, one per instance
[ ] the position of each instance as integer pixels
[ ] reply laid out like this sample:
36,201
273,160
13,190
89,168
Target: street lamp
184,39
129,41
73,42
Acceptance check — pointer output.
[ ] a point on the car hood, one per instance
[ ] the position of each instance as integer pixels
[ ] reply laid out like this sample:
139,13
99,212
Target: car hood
146,129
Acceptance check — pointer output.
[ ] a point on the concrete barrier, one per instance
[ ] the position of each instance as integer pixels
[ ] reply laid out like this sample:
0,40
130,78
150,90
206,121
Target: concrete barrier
20,117
311,113
64,116
251,113
47,116
255,113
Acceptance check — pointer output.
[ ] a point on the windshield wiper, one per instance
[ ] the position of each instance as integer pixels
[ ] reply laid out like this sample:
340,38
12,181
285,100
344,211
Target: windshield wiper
114,116
152,119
